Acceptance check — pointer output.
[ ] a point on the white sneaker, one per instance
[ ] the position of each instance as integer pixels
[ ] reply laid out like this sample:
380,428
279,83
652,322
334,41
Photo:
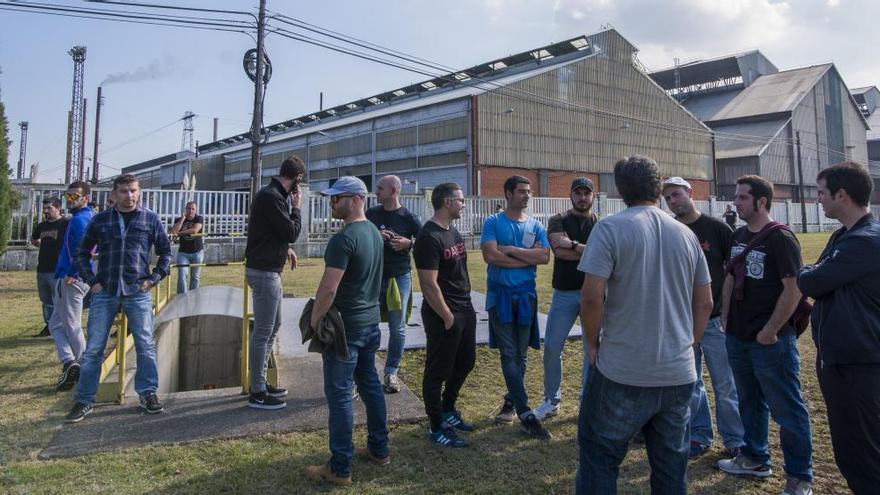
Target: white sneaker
742,465
795,486
546,410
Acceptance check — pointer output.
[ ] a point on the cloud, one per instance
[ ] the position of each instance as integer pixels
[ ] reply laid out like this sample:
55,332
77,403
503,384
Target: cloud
154,70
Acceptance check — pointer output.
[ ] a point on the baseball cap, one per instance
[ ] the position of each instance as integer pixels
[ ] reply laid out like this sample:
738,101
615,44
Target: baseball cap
347,184
583,182
676,181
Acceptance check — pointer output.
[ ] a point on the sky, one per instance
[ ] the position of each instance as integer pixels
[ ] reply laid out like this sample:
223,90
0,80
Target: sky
152,75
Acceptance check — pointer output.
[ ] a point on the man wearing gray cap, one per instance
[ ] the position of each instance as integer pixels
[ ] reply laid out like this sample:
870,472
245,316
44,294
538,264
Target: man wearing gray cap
274,225
568,233
716,240
351,282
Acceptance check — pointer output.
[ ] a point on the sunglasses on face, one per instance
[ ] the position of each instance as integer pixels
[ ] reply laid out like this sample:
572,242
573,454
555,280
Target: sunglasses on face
340,196
73,196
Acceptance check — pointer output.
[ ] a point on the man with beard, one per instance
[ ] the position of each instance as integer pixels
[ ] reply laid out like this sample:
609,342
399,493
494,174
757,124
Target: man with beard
351,282
756,308
514,244
448,314
568,233
716,239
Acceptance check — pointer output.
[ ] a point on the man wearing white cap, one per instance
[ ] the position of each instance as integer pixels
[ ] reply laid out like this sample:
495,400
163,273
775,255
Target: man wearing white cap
716,239
351,282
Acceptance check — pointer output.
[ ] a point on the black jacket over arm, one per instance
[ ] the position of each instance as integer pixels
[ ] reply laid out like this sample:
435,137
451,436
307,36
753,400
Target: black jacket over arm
272,227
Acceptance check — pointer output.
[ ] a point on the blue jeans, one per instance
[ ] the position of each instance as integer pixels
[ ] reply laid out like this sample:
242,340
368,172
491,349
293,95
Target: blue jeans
397,322
612,413
138,308
564,310
513,345
726,403
184,272
46,289
338,374
767,381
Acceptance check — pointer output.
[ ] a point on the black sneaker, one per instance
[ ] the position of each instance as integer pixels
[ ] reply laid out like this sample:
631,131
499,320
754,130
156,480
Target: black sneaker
151,404
507,414
78,412
455,420
43,333
69,376
532,427
446,437
262,400
276,392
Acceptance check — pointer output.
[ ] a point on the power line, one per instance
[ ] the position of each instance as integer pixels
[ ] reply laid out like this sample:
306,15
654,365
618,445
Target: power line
148,134
174,7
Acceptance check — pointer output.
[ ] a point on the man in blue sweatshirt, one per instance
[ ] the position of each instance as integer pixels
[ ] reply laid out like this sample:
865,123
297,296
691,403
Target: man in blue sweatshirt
845,284
70,289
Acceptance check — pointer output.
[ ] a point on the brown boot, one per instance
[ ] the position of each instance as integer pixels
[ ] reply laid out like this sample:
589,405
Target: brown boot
324,473
366,454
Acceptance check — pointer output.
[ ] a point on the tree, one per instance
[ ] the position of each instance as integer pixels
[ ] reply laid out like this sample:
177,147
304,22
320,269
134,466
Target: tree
8,197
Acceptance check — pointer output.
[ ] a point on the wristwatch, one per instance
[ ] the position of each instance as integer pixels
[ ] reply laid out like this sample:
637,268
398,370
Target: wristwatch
574,244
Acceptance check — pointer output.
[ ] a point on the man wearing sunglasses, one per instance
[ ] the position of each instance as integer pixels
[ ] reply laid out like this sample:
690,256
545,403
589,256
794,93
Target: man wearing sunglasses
70,290
351,282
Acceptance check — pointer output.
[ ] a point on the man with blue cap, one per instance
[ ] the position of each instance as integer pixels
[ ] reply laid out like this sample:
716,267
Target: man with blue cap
351,283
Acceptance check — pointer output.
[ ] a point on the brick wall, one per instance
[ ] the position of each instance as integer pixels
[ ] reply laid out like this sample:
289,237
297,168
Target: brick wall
560,183
492,179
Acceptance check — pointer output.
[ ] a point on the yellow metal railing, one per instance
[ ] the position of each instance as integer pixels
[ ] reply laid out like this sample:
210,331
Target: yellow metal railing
162,295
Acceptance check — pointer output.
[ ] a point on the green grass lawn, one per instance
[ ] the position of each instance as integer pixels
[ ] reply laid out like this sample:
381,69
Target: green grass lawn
499,460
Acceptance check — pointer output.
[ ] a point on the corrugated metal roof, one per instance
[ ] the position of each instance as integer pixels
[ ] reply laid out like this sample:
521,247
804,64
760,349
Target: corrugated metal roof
773,93
706,105
750,138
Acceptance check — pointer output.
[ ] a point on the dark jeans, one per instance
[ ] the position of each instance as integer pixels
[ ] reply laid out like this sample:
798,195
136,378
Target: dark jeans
852,395
612,413
450,357
338,375
767,381
513,345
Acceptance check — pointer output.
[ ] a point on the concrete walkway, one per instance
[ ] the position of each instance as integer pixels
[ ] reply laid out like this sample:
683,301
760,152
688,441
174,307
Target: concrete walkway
223,414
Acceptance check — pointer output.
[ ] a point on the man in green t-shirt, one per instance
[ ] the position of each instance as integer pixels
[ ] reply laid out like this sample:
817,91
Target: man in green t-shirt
351,282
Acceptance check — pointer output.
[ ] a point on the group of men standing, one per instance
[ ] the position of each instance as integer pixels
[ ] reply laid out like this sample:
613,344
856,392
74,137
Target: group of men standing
655,294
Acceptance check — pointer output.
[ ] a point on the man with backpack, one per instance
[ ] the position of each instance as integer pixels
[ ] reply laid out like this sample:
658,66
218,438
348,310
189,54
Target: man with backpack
759,297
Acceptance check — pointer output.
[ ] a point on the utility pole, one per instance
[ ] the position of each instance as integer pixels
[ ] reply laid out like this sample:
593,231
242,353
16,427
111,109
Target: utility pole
801,184
257,123
22,150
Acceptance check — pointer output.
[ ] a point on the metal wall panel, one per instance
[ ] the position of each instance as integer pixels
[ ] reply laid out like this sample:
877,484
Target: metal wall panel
586,115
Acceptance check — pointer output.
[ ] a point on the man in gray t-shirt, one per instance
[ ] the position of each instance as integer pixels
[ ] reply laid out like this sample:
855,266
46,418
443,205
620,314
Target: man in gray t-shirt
648,286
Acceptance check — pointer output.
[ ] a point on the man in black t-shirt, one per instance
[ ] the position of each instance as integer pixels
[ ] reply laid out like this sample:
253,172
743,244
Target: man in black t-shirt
730,217
568,233
187,228
398,227
447,313
49,237
761,342
716,239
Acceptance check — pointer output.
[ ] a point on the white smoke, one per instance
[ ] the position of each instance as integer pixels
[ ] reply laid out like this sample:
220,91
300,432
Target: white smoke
154,70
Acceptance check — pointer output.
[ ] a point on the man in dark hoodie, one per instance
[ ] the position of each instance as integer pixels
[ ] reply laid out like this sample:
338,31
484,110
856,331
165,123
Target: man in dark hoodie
845,283
273,226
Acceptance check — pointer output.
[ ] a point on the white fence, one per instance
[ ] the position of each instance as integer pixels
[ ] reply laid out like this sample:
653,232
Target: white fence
226,212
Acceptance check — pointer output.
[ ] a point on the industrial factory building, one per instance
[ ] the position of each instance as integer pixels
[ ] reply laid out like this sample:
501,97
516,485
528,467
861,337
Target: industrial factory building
552,113
868,99
758,113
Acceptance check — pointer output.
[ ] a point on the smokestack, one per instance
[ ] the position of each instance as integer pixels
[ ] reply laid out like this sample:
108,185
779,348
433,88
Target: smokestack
95,172
216,124
67,167
321,101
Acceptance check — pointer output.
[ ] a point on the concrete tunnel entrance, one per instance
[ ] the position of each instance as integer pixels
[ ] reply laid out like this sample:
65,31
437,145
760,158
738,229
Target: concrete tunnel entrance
199,353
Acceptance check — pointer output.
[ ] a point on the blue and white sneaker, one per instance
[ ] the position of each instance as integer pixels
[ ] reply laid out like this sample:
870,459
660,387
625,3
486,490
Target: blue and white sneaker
446,437
455,420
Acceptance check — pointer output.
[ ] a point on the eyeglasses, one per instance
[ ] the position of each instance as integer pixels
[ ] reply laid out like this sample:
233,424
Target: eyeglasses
73,196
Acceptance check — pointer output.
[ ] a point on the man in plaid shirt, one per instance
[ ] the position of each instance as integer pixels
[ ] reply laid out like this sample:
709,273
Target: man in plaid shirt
124,236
